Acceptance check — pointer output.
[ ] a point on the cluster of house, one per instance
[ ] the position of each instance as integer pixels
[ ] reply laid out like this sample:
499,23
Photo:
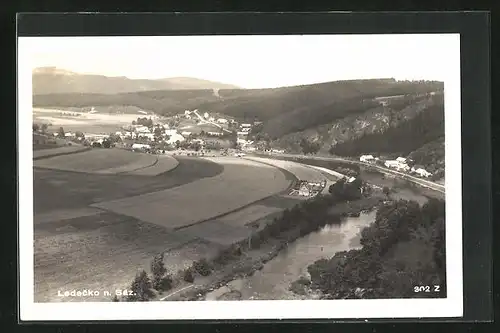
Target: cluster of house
244,129
306,188
188,114
399,164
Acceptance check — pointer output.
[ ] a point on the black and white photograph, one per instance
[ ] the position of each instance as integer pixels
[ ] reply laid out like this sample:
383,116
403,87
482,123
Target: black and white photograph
240,176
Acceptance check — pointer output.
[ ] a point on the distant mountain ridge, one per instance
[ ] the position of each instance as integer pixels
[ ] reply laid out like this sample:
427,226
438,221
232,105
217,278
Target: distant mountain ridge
53,80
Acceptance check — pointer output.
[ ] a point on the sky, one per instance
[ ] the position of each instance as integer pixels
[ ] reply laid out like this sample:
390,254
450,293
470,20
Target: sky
250,61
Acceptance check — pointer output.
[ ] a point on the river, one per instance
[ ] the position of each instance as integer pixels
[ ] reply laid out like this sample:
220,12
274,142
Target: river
273,281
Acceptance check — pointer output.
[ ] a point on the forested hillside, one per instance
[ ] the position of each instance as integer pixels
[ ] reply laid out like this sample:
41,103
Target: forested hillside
403,248
352,135
346,118
252,104
425,127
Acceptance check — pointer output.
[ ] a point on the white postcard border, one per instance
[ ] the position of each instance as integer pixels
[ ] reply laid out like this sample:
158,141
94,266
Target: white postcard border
452,306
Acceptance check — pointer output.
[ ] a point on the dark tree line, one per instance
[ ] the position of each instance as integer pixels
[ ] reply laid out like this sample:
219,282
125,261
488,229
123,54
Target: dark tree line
403,248
410,135
309,147
304,218
248,104
143,121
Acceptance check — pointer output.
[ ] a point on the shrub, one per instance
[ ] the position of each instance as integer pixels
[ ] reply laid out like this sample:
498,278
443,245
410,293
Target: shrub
158,270
141,288
202,267
188,275
166,283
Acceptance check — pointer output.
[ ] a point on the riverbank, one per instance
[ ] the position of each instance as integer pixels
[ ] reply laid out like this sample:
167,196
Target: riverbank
253,258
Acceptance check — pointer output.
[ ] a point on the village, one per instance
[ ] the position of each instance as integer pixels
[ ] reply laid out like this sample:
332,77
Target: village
401,164
190,133
195,133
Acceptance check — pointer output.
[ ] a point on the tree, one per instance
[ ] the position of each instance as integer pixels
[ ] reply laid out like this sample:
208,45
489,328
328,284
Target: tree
196,146
202,267
158,270
115,299
36,127
188,275
331,151
79,134
158,131
386,191
309,147
44,128
134,122
106,143
113,137
141,288
60,133
177,144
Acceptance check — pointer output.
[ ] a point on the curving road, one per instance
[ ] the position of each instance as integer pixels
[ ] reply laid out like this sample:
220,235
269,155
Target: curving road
419,181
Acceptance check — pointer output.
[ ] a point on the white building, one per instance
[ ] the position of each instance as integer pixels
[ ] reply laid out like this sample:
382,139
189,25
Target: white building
350,180
247,129
304,191
140,146
142,129
174,137
185,133
212,119
222,121
206,115
419,170
423,173
187,113
401,159
200,141
366,158
242,133
391,163
398,165
214,133
246,125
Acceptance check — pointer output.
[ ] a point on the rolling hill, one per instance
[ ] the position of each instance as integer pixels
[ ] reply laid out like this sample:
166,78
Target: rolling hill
52,80
343,117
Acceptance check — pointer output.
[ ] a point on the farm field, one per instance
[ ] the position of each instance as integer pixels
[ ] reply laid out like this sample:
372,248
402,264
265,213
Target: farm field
61,150
99,161
65,214
96,230
73,120
241,183
216,232
72,190
164,164
195,128
103,252
77,246
301,171
248,215
330,174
